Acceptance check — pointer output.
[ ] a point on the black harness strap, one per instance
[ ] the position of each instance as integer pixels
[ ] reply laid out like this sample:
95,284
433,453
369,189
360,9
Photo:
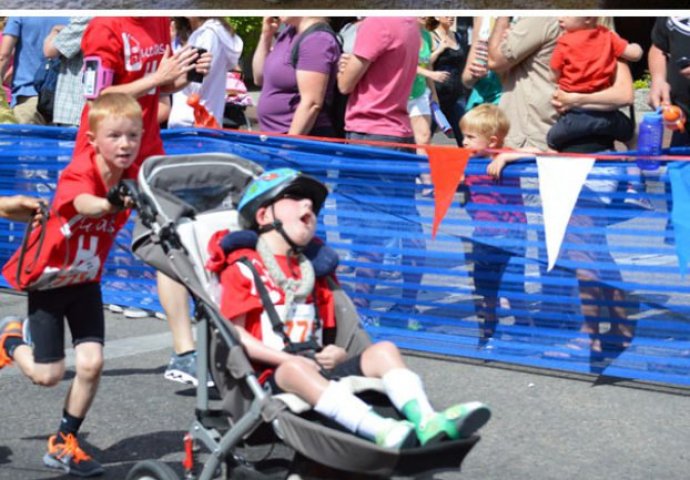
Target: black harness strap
25,243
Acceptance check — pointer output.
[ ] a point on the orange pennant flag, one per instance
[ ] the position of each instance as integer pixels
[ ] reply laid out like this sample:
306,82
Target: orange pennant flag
447,166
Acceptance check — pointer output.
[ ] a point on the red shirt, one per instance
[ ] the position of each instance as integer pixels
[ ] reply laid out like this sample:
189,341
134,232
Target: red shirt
239,296
587,59
75,247
133,48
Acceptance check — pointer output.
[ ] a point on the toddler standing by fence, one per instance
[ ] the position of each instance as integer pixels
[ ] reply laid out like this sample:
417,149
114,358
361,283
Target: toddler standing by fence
484,127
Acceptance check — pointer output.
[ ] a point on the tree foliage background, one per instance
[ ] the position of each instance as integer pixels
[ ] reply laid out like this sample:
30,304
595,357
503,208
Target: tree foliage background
249,29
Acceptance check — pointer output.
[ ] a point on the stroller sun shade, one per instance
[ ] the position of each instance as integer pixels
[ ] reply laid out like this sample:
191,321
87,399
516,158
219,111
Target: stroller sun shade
173,188
195,183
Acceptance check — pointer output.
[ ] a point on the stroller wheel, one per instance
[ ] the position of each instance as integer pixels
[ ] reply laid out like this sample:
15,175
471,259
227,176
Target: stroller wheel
152,470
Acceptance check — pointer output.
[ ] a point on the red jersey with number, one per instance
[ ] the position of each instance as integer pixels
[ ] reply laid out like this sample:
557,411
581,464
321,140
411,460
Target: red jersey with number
75,247
239,296
132,47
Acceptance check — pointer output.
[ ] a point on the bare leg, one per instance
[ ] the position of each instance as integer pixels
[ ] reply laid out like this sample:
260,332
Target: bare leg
421,128
175,301
380,358
589,295
301,377
623,333
89,365
44,374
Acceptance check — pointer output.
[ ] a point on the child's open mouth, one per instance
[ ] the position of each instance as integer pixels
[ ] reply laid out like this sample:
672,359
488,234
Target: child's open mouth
307,219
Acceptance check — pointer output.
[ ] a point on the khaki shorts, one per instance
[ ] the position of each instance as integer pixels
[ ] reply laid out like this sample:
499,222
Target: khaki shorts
26,111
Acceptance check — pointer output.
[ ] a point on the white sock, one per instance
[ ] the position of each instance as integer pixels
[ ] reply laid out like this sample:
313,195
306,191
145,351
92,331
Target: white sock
403,385
339,404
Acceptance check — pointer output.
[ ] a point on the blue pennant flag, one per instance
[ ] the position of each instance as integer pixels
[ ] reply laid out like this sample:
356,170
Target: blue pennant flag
679,175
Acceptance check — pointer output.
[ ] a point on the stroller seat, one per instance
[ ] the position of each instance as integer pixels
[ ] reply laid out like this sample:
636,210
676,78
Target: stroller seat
182,201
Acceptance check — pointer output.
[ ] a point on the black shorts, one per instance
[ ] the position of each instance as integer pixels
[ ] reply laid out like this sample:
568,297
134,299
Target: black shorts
81,305
351,366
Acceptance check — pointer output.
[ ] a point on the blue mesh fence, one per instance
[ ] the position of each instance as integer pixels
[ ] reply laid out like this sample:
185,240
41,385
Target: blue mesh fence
615,303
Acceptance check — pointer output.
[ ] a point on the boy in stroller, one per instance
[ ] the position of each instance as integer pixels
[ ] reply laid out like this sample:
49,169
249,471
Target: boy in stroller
281,206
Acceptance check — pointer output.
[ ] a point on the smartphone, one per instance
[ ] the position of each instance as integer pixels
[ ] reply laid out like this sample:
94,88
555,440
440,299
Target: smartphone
682,62
193,75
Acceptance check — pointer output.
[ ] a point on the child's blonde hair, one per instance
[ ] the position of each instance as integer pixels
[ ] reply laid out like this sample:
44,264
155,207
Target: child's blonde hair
486,120
113,105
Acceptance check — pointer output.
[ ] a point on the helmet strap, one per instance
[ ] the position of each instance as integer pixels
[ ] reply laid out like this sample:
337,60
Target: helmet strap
278,226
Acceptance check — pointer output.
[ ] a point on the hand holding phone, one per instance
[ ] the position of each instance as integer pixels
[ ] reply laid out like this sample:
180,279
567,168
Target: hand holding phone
193,75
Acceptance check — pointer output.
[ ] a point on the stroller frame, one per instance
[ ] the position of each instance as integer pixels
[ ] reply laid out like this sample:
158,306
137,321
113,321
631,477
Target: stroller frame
166,204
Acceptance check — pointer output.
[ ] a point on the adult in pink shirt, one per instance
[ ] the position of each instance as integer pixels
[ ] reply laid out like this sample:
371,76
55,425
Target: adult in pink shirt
378,76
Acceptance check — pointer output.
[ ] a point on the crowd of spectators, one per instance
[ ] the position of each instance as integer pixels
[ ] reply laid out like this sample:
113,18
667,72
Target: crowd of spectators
389,71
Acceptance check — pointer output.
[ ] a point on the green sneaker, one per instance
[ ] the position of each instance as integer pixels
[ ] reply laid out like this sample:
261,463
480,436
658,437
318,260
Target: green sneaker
458,421
397,434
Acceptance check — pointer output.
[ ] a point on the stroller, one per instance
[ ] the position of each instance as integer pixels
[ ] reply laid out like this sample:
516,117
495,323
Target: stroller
181,201
237,100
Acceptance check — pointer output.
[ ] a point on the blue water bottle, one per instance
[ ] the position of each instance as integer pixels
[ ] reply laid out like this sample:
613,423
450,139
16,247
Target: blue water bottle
440,118
649,139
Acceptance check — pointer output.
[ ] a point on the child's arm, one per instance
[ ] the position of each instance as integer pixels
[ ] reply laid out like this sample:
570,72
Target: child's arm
94,206
440,76
495,167
632,53
620,94
19,208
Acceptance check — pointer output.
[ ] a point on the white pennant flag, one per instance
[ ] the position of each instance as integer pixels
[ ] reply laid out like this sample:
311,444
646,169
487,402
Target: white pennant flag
560,183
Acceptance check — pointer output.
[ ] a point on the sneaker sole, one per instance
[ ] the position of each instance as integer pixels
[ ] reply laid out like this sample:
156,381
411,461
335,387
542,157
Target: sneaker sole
115,308
473,421
55,464
9,319
137,313
184,378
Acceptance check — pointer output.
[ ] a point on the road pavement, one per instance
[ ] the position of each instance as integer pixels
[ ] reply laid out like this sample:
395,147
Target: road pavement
544,426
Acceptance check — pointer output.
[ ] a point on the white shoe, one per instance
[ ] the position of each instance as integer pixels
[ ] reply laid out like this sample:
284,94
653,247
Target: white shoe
134,312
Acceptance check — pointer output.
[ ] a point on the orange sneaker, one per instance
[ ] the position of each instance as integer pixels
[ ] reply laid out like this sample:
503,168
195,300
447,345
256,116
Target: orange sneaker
64,453
9,327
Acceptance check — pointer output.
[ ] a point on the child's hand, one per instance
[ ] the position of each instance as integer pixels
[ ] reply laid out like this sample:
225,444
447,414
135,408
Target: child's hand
330,356
308,362
496,166
343,61
174,65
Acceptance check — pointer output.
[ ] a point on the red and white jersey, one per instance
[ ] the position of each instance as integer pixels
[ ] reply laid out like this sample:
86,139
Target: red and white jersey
132,47
75,247
239,296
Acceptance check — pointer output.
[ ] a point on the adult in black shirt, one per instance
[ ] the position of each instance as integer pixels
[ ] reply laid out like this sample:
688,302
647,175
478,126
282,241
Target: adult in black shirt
669,66
449,54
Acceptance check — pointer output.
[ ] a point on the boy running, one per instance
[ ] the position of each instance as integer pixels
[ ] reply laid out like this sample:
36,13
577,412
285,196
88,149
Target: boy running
62,275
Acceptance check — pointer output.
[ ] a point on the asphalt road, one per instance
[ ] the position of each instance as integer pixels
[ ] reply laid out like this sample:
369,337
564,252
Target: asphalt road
544,426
